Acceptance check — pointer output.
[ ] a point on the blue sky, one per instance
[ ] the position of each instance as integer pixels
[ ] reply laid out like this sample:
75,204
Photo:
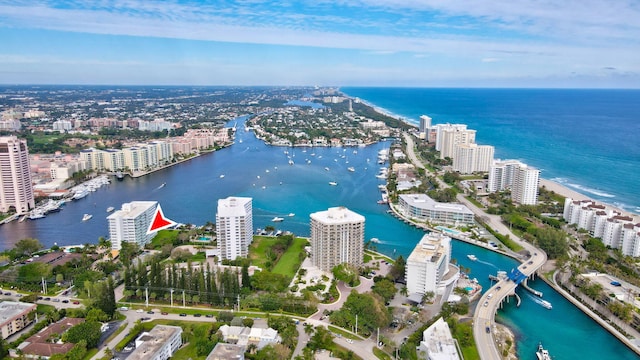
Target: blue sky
482,43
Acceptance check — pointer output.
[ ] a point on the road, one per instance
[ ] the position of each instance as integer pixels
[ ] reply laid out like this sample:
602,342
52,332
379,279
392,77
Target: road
484,316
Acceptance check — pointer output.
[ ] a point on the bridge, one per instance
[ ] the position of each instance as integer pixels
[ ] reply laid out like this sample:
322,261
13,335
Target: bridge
491,301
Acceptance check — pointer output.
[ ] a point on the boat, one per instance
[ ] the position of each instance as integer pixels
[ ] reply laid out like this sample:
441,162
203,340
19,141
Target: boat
36,215
80,193
375,240
86,217
472,257
351,168
23,218
290,162
292,214
327,169
546,304
162,185
277,219
222,176
110,209
333,183
119,175
542,354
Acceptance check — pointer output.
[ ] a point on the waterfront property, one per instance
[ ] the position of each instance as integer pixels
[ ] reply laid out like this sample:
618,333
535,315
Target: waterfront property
423,208
428,268
337,237
437,343
130,224
234,226
14,316
158,344
523,180
16,191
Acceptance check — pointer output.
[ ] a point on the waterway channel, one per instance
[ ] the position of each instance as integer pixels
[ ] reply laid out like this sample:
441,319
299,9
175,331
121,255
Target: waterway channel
256,170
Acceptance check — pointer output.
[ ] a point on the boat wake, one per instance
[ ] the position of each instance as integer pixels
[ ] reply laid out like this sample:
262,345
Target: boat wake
539,301
486,263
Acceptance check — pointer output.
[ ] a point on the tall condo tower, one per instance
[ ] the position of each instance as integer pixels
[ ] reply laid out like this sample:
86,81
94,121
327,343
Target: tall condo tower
16,190
131,222
525,185
337,237
234,226
425,124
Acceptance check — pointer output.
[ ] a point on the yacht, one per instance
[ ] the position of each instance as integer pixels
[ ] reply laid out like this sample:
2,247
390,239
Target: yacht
290,162
36,215
292,214
86,217
375,240
542,354
472,257
327,169
110,209
222,176
277,219
546,304
162,185
351,168
80,193
333,183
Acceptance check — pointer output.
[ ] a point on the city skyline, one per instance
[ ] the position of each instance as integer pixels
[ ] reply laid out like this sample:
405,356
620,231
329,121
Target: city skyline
357,43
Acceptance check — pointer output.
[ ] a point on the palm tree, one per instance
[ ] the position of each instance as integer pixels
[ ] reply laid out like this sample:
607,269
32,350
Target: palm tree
404,291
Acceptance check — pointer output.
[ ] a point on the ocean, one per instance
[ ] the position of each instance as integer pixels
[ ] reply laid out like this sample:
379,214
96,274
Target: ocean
587,140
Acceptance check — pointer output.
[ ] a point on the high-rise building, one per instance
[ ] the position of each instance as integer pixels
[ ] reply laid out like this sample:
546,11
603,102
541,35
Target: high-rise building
234,226
425,124
130,224
337,237
428,265
470,158
16,189
450,137
502,174
439,128
524,190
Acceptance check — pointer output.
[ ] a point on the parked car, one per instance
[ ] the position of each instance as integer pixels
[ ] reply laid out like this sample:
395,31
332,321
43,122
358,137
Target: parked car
165,313
183,314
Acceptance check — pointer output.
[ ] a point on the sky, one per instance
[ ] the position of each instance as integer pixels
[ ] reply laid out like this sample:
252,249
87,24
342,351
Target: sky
409,43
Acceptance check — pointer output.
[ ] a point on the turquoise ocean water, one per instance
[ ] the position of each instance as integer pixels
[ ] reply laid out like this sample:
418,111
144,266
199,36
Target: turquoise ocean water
254,169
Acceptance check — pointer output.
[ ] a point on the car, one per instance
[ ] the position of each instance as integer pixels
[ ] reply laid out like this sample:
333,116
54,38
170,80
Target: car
487,329
524,267
7,293
209,315
47,298
164,313
124,308
139,311
145,319
183,314
197,315
486,303
56,300
65,301
76,302
150,312
19,295
530,262
499,288
39,298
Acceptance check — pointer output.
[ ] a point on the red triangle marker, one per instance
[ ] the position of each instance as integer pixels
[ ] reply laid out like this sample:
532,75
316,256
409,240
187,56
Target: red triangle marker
159,221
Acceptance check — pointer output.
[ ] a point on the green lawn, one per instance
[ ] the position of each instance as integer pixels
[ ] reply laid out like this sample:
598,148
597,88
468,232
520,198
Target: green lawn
290,261
258,249
164,237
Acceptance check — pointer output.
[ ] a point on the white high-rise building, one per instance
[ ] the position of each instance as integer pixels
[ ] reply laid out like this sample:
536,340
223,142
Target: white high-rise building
451,137
428,264
337,237
16,189
234,226
502,174
524,190
470,158
425,124
131,222
439,128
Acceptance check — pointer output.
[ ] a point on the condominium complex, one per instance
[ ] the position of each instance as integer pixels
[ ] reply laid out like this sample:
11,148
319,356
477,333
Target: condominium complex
470,158
142,157
425,125
438,343
451,137
337,237
427,268
423,208
234,226
158,344
14,316
440,128
614,229
16,189
524,190
130,224
522,180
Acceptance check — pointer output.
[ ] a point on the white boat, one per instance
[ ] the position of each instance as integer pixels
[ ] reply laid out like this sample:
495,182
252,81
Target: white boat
546,304
23,218
110,209
351,168
221,176
292,214
80,193
542,354
277,219
333,183
36,215
86,217
162,185
327,169
290,162
375,240
472,257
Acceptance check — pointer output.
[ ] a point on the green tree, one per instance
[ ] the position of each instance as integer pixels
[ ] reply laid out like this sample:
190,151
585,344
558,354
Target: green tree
34,272
397,271
385,288
27,246
88,331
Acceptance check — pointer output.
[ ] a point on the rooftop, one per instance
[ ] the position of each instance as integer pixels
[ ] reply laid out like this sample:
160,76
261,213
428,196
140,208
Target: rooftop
423,201
224,351
132,209
10,310
337,215
154,340
430,248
